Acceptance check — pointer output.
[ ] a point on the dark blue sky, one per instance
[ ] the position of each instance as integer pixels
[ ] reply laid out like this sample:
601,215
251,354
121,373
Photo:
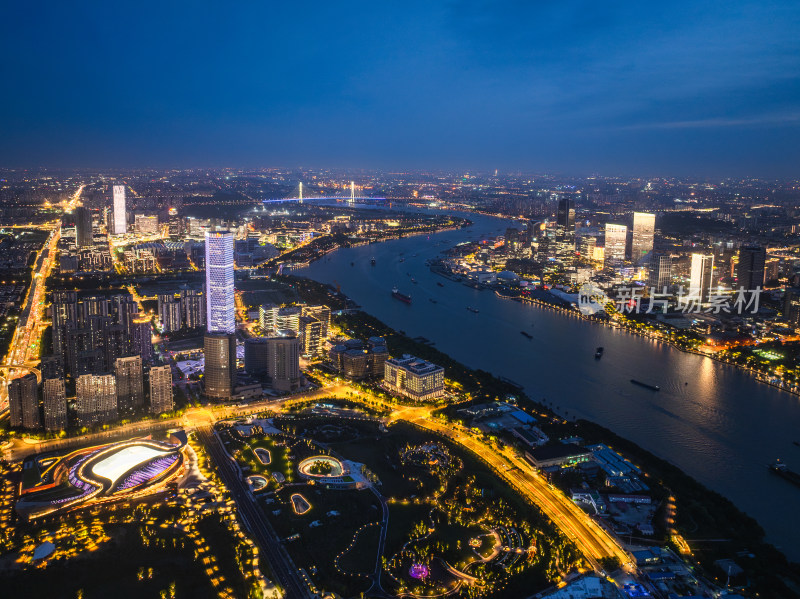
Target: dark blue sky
705,88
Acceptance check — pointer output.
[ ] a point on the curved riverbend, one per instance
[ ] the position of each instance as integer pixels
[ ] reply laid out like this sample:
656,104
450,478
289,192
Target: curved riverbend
722,427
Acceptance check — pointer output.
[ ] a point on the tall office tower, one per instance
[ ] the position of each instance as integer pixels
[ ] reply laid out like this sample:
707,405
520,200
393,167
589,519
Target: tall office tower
255,355
55,404
120,218
565,219
616,239
660,272
220,309
169,312
96,399
142,338
65,309
791,306
311,340
750,269
160,389
321,313
83,227
23,402
644,227
193,308
700,277
220,364
283,367
130,386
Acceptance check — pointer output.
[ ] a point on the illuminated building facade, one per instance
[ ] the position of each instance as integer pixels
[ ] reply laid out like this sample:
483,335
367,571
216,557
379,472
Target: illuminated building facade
616,239
161,389
220,307
414,378
220,365
23,402
96,399
644,227
120,226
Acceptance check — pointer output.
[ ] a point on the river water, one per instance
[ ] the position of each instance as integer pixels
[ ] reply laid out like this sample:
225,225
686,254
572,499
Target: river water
722,428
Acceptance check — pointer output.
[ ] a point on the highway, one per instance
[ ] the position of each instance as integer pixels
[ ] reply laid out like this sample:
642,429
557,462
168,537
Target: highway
592,540
253,516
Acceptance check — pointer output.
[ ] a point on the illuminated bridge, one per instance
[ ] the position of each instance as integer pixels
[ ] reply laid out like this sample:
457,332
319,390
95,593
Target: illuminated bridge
352,198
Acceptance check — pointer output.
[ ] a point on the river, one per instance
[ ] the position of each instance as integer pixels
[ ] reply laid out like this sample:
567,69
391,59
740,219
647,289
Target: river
722,428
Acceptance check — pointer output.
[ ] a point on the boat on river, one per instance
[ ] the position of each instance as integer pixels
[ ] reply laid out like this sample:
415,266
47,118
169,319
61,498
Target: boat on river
397,294
646,385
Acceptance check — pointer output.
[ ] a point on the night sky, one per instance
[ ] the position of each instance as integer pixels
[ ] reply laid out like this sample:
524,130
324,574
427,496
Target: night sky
650,88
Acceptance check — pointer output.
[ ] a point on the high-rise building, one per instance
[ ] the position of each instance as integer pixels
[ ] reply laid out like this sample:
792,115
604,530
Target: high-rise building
23,402
288,319
193,308
142,338
220,308
83,227
321,313
616,240
283,367
220,364
130,386
565,219
414,378
96,399
169,312
659,272
268,317
791,306
55,404
644,226
65,309
700,276
311,340
119,215
160,389
750,268
256,355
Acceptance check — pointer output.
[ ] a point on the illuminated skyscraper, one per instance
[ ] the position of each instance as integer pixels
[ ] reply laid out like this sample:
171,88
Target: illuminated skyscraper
616,239
659,272
220,364
700,278
120,218
130,387
160,389
283,366
55,404
565,219
750,269
220,309
644,225
83,227
96,399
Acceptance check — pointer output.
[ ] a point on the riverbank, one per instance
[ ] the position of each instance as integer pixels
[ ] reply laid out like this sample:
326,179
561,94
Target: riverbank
648,334
715,527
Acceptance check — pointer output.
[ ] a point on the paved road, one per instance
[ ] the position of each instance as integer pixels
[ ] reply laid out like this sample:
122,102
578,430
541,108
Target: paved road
256,522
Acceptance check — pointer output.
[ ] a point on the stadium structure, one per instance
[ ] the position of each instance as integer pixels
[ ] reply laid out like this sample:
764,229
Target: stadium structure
103,473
